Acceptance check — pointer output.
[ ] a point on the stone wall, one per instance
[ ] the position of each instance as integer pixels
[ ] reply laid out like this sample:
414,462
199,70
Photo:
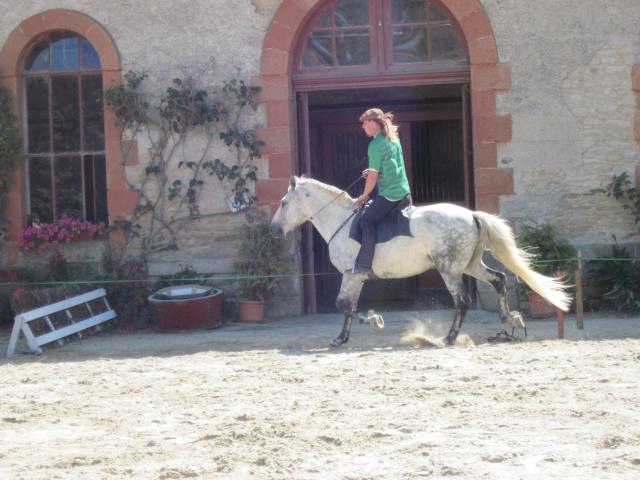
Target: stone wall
573,108
211,41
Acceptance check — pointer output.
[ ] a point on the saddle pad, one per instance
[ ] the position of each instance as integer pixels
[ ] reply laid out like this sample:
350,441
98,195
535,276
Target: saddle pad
394,224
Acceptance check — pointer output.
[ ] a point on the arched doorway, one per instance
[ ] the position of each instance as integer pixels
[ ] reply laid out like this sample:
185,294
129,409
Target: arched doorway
363,56
406,56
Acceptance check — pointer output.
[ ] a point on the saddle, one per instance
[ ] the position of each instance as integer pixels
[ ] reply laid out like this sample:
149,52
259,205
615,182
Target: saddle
394,224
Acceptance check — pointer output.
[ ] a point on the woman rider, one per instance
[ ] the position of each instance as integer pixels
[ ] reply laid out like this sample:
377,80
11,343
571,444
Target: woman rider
386,170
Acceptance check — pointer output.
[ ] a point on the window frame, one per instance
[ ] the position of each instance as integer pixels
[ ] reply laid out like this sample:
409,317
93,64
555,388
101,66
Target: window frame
381,44
51,155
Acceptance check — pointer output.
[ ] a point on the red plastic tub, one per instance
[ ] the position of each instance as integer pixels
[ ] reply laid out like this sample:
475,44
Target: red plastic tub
187,307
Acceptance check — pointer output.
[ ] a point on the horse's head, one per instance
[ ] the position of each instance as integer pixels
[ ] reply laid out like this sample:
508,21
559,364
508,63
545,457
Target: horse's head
292,211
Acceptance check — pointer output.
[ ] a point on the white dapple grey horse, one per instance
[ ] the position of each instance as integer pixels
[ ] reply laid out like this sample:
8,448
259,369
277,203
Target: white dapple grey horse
446,237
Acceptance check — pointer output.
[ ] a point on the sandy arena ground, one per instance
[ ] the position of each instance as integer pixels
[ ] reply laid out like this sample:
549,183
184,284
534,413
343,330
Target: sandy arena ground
273,402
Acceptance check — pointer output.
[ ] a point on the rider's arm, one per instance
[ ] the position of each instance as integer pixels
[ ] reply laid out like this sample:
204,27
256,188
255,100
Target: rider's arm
372,173
370,184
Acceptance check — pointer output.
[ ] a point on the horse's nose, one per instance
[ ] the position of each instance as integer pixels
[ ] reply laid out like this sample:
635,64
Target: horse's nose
276,230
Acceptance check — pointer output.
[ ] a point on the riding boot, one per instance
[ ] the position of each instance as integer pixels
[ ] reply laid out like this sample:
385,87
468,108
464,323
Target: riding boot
367,249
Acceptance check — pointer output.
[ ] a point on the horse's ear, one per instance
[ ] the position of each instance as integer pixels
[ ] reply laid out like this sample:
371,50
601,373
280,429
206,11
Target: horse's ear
292,182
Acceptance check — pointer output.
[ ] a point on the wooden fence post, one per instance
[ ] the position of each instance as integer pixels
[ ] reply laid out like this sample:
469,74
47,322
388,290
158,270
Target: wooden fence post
579,297
560,313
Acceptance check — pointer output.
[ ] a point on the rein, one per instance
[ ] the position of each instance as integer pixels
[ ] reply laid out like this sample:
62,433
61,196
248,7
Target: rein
336,198
342,225
329,203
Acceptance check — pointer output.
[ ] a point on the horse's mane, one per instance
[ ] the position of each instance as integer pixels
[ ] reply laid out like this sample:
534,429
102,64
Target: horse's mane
341,195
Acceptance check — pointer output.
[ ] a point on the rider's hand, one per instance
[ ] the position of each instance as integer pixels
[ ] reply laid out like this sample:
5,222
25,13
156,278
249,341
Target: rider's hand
361,199
365,173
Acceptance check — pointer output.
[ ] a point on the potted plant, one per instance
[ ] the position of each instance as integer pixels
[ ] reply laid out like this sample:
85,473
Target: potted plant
553,255
261,262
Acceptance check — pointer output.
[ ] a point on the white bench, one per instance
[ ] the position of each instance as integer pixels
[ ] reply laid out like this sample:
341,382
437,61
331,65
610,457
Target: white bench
73,325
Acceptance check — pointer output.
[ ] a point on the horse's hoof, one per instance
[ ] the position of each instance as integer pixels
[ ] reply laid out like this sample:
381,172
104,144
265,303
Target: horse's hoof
337,342
377,321
517,321
372,318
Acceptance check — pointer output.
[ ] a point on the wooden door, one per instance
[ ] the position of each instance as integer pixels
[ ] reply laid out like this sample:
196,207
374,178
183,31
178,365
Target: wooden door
435,159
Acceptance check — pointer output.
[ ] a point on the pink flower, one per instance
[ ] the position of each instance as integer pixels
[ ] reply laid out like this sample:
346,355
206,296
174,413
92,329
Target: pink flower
65,229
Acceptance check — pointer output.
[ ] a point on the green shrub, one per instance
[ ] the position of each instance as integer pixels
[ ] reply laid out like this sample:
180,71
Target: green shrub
553,254
262,260
623,280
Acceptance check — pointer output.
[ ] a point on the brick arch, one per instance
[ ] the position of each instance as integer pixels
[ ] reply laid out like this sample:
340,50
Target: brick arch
120,199
487,77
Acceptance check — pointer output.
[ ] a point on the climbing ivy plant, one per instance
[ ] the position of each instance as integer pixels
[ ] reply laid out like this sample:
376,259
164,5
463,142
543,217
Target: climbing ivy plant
621,188
10,150
182,132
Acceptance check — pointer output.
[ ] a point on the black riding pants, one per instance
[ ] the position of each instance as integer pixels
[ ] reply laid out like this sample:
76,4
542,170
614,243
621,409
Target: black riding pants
374,211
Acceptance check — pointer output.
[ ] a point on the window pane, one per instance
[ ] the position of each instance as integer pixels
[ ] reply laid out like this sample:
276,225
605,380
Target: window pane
68,181
40,189
37,90
409,45
409,11
318,51
92,112
89,190
66,114
38,58
352,47
90,59
95,181
352,12
64,52
445,44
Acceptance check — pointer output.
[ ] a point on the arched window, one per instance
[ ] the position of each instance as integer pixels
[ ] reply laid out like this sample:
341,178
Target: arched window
65,129
381,36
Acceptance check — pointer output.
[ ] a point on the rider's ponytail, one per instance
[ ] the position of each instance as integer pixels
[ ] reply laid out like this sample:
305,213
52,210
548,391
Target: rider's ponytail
385,120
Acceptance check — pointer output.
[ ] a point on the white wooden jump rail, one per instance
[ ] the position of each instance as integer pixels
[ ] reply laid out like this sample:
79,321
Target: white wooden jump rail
21,321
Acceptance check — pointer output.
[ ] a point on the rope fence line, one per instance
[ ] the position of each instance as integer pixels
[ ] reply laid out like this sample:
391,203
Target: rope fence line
235,277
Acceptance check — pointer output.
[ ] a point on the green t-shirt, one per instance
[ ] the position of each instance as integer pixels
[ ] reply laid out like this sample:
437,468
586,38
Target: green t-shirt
386,158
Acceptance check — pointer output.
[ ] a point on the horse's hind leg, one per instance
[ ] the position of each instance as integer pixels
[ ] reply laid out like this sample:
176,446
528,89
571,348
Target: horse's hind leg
347,301
499,281
461,301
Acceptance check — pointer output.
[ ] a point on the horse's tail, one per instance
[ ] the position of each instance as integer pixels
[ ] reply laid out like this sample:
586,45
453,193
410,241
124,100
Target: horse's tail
497,236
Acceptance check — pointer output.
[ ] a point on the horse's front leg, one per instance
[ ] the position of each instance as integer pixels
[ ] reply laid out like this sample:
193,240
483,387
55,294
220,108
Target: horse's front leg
347,302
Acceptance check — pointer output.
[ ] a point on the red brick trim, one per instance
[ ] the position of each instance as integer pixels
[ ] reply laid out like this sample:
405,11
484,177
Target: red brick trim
120,199
488,202
487,77
494,181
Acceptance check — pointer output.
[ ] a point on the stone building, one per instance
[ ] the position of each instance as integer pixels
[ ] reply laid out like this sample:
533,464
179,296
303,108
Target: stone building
521,108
